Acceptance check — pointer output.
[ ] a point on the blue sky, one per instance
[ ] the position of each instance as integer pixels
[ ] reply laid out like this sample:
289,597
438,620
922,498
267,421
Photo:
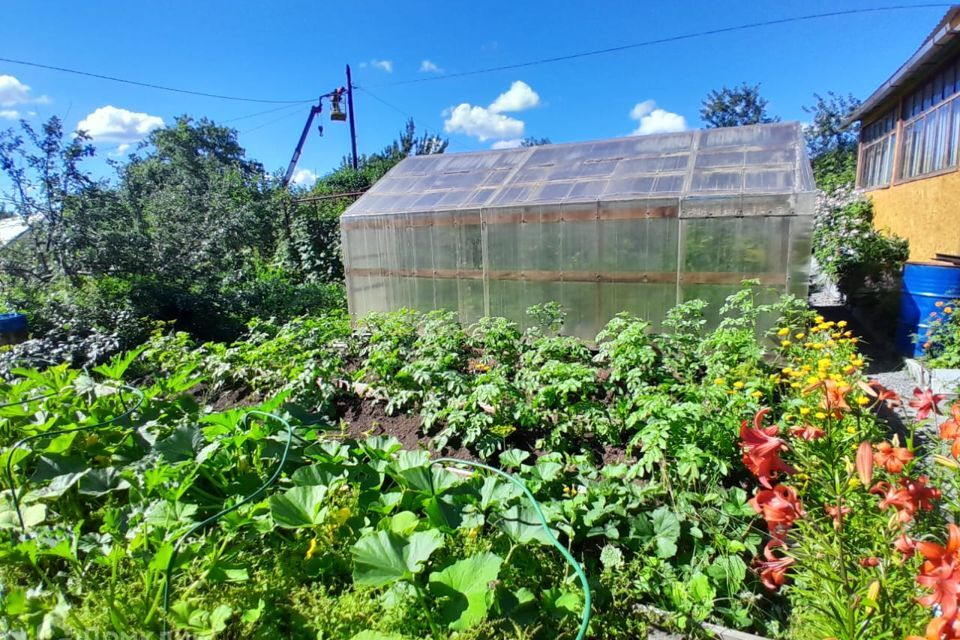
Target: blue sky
297,50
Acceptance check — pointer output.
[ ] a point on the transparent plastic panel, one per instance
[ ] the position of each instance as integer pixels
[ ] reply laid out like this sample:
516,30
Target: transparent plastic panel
644,249
508,300
446,294
783,134
727,250
769,180
713,180
581,302
470,300
801,231
648,301
502,228
444,240
579,242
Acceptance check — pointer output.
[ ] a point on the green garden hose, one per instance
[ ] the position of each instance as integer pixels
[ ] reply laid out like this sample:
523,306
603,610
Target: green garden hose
33,399
46,434
585,617
200,525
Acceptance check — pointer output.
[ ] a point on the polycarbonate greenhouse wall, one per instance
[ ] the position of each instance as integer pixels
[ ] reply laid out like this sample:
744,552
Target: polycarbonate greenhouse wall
634,224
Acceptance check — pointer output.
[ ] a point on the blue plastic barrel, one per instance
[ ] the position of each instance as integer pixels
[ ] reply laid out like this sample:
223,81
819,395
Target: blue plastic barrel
924,284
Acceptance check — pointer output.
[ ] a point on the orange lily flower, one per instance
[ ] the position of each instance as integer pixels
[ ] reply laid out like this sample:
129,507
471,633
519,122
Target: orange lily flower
876,390
892,458
950,429
773,570
837,513
913,495
780,507
905,545
940,572
940,629
925,402
807,432
761,449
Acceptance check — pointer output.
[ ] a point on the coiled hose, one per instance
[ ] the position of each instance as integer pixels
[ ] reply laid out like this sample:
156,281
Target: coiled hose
585,616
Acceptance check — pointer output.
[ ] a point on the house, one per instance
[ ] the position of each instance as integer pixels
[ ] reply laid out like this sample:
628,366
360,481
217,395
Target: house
909,143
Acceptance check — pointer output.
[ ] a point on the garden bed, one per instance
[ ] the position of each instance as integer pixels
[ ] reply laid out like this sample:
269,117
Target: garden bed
699,478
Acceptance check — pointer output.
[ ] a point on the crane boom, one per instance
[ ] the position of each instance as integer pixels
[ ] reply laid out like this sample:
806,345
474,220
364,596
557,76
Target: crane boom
314,112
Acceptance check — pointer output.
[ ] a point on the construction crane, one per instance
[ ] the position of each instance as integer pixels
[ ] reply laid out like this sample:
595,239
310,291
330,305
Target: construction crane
337,114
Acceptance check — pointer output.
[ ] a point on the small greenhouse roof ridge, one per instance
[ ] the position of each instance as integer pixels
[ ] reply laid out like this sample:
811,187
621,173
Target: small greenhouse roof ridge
755,160
930,53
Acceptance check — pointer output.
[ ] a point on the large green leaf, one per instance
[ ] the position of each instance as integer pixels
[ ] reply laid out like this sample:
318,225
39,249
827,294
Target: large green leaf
513,458
383,557
32,515
299,507
523,526
98,482
169,515
182,444
465,587
55,488
317,474
666,532
497,492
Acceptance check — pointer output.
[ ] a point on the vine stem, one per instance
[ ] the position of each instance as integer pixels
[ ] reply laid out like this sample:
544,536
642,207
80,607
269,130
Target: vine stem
434,629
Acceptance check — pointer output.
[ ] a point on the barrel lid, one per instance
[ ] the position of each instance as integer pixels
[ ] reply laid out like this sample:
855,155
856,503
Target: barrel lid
933,263
10,316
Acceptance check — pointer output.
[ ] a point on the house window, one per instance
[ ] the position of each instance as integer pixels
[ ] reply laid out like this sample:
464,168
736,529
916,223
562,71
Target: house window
878,141
931,131
930,140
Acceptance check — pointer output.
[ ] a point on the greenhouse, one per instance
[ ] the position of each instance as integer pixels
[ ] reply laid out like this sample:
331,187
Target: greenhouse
630,224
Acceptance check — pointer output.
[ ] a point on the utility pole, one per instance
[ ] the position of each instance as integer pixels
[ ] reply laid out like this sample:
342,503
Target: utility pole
353,126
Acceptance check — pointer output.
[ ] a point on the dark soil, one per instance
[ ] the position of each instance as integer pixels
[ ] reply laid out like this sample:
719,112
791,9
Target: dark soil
363,418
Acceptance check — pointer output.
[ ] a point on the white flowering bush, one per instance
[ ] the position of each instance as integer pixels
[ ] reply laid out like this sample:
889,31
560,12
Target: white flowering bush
851,252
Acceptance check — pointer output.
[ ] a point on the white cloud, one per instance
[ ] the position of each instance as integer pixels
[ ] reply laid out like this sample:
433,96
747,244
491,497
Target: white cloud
517,98
429,67
490,123
383,65
652,119
9,114
304,178
13,92
110,124
507,144
481,123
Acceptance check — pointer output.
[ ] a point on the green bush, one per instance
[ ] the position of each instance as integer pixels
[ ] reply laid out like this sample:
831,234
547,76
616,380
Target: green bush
851,252
941,343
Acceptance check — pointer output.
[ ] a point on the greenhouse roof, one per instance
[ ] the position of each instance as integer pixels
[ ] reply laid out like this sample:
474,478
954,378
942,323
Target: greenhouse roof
763,159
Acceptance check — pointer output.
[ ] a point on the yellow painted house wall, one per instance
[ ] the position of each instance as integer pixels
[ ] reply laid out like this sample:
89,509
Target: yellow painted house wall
926,212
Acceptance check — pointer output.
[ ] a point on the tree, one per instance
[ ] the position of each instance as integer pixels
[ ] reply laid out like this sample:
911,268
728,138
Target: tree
735,107
534,142
47,188
832,148
313,243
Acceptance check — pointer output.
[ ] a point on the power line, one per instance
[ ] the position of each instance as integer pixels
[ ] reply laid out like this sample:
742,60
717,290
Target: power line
676,38
149,85
382,101
260,113
269,122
